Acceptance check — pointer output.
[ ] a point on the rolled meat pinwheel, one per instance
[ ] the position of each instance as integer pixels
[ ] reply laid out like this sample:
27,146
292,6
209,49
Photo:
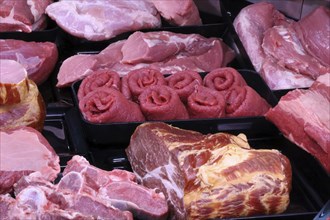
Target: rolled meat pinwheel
245,101
184,83
101,78
105,105
206,103
223,79
138,80
162,103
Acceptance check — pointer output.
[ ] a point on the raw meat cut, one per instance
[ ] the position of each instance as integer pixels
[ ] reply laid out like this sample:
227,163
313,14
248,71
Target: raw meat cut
223,79
250,25
182,13
38,58
102,78
23,151
13,82
184,83
98,20
140,79
245,101
209,176
204,102
162,103
197,53
23,15
106,105
314,30
283,44
303,117
23,103
277,77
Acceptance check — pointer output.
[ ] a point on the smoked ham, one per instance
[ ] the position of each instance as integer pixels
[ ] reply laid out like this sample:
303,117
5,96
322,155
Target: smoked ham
162,103
209,176
23,103
106,105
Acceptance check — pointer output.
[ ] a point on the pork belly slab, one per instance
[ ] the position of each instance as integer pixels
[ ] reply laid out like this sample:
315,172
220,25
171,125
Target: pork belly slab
209,176
303,116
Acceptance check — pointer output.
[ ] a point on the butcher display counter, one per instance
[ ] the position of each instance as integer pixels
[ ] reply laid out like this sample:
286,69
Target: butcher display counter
237,163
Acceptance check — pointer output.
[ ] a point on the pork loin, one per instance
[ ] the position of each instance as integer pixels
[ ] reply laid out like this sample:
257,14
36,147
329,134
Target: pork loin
209,176
23,151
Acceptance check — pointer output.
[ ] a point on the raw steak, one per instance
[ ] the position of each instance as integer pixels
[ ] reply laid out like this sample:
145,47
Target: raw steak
23,151
162,103
23,15
107,105
184,83
196,53
303,117
98,20
314,32
204,102
38,58
245,101
209,176
181,13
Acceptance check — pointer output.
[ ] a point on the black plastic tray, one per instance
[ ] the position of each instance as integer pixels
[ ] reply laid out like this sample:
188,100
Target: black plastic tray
310,183
120,132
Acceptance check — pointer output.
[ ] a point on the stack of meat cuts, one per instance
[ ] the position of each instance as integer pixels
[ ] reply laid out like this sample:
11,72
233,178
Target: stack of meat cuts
98,20
84,192
209,176
21,103
287,54
23,15
303,116
145,94
164,51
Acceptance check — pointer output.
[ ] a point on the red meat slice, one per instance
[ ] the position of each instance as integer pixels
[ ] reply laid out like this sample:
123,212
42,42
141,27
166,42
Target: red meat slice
206,103
106,105
102,78
162,103
244,101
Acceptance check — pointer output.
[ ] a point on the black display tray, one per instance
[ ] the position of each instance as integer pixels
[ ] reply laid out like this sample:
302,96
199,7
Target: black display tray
310,182
120,132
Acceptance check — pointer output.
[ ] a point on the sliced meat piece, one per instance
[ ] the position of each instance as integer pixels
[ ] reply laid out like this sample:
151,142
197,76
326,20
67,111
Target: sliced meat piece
245,101
250,25
283,44
277,77
101,78
322,85
38,58
162,103
13,82
24,151
180,13
184,83
98,20
204,102
314,33
23,15
108,105
223,79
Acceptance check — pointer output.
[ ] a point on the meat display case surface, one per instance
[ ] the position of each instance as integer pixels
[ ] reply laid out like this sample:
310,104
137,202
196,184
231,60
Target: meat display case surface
70,135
